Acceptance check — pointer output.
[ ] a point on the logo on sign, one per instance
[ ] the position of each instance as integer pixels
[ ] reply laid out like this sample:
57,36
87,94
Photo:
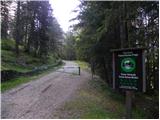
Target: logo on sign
128,64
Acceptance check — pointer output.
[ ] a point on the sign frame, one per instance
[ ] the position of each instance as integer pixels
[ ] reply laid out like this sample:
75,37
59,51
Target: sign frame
115,52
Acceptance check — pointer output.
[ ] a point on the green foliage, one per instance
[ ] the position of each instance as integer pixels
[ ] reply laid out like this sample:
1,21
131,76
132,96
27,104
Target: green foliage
7,44
111,25
96,100
30,37
5,18
24,62
33,27
8,61
83,65
24,79
69,52
97,113
13,83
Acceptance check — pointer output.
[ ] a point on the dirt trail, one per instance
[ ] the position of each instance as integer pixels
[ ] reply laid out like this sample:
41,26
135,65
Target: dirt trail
39,99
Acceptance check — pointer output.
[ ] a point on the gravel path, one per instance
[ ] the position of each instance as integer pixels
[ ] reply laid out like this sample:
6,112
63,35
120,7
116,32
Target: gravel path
39,99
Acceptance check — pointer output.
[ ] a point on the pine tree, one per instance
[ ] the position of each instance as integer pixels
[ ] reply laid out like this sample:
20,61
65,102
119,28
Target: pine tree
5,18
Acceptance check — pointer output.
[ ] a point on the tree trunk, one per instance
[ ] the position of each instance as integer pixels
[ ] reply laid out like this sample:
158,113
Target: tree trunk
124,27
18,28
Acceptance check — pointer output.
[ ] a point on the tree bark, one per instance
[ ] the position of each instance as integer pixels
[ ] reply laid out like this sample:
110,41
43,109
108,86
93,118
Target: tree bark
124,27
18,28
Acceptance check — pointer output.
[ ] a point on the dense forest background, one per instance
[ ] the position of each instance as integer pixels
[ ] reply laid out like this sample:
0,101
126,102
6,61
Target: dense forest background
32,26
31,37
32,29
112,25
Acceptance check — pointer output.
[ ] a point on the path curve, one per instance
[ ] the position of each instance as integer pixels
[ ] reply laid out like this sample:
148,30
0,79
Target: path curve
39,98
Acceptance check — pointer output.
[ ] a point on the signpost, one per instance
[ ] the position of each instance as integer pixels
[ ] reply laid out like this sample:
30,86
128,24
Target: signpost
129,73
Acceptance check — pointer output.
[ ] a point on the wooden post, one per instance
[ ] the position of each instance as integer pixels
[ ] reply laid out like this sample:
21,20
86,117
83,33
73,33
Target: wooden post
92,76
79,71
113,66
129,95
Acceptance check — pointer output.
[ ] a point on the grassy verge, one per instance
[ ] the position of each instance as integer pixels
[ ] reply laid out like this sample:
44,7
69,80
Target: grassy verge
24,79
83,65
95,100
22,63
144,105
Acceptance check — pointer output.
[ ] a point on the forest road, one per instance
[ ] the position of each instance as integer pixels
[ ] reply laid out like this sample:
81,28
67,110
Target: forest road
39,98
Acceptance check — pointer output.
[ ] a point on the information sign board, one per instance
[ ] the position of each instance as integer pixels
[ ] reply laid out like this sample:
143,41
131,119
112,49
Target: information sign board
129,69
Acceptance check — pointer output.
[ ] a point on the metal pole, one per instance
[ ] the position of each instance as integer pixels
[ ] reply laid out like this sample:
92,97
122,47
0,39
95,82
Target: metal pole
129,95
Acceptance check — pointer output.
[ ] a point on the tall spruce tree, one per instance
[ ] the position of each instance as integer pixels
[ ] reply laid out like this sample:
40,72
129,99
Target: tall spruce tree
111,25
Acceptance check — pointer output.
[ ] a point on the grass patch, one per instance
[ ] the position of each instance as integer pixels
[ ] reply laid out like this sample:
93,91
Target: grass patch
83,65
96,112
23,62
7,44
24,79
95,100
14,82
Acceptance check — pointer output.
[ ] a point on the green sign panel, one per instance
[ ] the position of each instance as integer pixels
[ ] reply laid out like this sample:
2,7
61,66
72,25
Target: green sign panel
129,69
128,65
